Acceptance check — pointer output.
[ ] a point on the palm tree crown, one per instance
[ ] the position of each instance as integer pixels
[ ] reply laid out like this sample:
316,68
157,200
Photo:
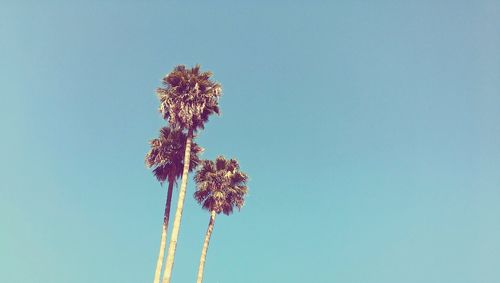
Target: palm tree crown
188,97
166,155
220,185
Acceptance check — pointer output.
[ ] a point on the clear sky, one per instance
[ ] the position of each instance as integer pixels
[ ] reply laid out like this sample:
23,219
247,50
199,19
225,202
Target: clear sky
370,131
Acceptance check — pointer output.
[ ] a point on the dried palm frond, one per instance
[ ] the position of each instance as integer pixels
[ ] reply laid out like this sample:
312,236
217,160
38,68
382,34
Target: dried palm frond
188,97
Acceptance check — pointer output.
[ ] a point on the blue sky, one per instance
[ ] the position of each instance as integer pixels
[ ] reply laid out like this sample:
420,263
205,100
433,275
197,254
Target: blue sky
370,132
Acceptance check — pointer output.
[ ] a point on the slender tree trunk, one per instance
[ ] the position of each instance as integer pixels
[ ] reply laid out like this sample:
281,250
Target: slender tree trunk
167,274
205,246
166,216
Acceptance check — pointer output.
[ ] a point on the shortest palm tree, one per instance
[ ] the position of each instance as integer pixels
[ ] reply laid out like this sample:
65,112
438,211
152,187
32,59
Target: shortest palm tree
220,187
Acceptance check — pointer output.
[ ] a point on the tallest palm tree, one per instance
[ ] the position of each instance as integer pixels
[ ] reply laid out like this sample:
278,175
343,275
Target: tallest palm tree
187,99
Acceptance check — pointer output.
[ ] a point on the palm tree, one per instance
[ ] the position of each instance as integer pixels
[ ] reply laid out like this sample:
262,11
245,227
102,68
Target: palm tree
187,99
220,187
166,157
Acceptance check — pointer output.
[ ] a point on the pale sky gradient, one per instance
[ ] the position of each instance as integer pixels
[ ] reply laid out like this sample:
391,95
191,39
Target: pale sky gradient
370,131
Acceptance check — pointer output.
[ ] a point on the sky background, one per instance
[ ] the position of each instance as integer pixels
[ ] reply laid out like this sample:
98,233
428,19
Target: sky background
370,131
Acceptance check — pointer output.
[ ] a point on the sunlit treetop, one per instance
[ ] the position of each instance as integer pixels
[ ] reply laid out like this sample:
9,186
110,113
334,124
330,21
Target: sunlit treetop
188,97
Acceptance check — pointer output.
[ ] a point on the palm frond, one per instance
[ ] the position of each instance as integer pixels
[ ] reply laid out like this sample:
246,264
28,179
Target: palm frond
188,97
220,185
166,155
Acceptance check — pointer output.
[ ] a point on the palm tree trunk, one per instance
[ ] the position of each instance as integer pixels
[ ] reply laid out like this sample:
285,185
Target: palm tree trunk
167,274
205,246
166,216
